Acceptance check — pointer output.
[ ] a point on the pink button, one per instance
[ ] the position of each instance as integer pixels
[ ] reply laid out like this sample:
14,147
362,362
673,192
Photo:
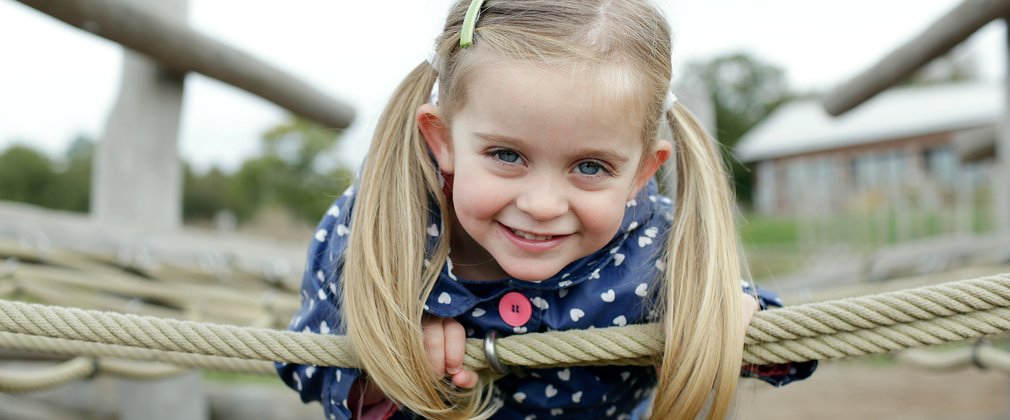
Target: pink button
515,309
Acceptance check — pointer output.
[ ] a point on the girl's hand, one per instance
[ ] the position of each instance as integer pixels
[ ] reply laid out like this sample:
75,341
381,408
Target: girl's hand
445,343
750,307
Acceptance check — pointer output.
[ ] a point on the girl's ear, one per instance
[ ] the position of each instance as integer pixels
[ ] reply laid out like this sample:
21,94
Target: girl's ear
651,163
436,134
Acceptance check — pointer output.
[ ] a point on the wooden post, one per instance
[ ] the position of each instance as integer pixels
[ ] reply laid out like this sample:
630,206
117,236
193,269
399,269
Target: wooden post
138,183
1001,186
137,175
954,27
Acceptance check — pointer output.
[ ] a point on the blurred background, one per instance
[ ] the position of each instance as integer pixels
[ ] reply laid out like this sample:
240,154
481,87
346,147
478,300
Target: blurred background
213,152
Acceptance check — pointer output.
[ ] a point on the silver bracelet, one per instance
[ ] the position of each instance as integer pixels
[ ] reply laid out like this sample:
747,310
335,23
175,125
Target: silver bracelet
489,353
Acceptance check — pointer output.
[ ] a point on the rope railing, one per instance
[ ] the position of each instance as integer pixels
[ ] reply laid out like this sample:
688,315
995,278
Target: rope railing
827,330
58,346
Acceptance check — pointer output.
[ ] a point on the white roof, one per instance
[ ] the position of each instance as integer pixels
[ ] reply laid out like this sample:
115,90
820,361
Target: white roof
803,126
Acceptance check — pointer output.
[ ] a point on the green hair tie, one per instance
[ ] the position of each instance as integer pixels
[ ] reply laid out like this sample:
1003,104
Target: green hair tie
469,23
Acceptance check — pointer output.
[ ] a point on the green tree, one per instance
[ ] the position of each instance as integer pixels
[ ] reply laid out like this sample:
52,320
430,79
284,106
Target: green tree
70,188
204,195
24,174
744,91
290,173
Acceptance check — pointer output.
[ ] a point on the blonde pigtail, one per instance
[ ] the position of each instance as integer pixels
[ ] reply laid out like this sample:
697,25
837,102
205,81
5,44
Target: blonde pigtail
387,274
700,294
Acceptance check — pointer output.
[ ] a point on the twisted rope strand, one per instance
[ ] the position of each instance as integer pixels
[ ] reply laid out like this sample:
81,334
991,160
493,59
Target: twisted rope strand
39,379
83,348
827,330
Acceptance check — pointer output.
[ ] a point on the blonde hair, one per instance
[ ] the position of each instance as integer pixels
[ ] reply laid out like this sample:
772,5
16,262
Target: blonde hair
388,271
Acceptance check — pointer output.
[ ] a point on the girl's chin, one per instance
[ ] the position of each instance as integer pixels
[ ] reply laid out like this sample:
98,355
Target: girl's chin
533,275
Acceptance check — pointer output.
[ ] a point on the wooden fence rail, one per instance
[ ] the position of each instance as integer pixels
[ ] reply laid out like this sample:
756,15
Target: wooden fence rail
175,46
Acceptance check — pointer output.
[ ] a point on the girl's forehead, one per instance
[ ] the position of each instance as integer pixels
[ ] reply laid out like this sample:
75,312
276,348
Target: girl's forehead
588,93
541,103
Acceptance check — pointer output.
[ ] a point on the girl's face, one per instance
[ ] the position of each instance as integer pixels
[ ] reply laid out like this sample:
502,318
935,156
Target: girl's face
544,162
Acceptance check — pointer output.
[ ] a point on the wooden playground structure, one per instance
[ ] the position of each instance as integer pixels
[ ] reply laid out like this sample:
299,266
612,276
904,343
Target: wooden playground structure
105,261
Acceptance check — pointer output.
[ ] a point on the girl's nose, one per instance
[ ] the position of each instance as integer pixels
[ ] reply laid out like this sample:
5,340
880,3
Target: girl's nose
543,201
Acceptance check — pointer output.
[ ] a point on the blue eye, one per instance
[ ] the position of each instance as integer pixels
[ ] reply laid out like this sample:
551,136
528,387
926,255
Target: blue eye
506,156
589,168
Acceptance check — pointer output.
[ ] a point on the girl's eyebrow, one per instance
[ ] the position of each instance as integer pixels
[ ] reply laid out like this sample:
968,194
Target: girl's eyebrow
614,157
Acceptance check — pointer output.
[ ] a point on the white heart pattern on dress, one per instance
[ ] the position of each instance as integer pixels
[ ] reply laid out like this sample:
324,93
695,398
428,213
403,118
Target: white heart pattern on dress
576,314
539,303
448,268
643,241
550,391
577,397
642,290
618,260
565,374
321,235
620,321
478,312
608,296
519,397
342,230
444,298
433,230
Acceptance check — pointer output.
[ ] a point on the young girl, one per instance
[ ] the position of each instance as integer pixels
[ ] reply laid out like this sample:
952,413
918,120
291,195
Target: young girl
517,196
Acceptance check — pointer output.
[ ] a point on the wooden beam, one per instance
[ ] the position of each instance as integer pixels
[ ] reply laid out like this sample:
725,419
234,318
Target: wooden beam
177,47
954,27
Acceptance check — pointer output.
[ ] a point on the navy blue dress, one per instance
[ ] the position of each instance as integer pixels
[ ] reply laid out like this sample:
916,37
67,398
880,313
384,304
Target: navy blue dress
611,287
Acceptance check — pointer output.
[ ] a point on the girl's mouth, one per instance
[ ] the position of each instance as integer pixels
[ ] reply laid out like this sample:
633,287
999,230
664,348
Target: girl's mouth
532,241
530,236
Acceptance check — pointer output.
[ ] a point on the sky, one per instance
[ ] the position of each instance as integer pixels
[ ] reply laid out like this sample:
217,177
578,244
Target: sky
57,82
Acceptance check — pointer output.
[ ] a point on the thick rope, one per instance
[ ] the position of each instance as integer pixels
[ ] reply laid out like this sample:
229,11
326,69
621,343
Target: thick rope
849,327
82,348
31,380
174,335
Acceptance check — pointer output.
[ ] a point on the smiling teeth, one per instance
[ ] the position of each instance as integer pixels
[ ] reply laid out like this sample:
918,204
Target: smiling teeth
530,236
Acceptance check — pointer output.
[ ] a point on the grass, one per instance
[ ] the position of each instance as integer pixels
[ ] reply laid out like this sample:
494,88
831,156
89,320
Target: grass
245,378
776,246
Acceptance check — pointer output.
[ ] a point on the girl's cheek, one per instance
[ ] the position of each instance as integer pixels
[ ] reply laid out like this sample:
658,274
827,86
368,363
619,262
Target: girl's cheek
476,197
603,217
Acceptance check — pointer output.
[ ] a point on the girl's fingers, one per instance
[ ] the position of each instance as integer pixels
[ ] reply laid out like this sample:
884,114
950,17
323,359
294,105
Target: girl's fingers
750,307
434,344
465,379
455,345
